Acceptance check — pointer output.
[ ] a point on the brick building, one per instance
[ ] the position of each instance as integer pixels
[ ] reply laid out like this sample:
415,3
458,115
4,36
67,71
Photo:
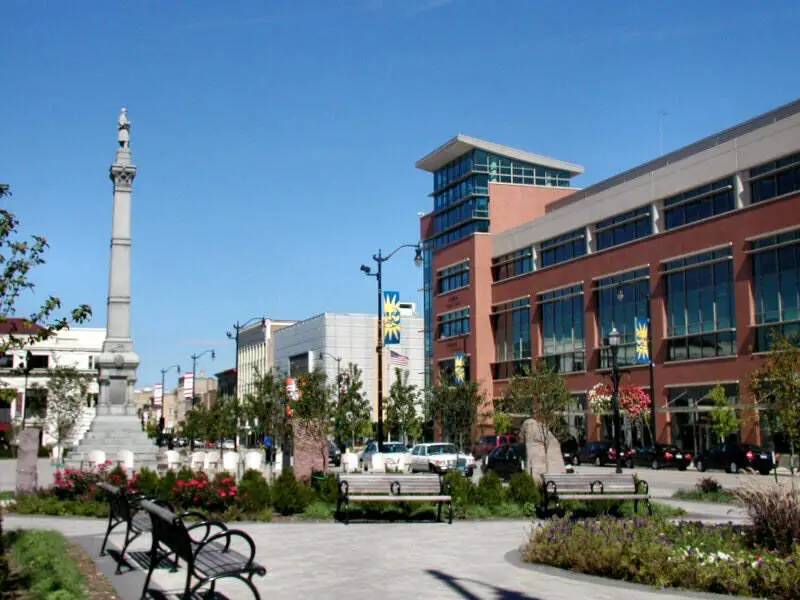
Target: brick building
704,242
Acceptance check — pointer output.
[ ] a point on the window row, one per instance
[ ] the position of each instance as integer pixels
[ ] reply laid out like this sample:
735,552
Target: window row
453,323
452,278
473,208
473,185
562,248
512,326
624,228
512,264
699,203
775,178
459,233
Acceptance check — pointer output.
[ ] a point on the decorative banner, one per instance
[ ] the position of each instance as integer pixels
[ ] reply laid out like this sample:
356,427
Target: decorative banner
158,396
391,318
642,336
459,368
188,380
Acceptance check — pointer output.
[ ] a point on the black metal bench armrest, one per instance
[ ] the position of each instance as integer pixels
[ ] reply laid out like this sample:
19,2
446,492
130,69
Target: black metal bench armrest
551,488
643,484
227,535
597,483
208,524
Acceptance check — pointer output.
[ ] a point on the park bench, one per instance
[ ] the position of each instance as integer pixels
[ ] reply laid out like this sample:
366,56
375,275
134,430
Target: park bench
393,488
123,507
589,487
208,559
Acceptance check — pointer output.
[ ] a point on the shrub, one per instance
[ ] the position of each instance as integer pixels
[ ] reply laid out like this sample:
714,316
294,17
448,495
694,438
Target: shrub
463,492
289,496
40,558
145,482
319,511
325,487
775,514
490,491
185,473
708,485
254,492
523,489
166,484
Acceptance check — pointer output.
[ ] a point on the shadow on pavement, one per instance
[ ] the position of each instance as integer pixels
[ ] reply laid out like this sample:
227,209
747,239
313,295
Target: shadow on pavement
453,583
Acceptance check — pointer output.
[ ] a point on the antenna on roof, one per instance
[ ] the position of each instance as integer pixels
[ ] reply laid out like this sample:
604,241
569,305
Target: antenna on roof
661,114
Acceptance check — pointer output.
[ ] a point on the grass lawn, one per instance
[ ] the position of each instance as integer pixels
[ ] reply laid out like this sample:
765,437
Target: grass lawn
43,565
721,496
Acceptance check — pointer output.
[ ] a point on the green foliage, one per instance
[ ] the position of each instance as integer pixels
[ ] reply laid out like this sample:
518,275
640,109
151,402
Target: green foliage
502,422
541,394
717,559
403,408
314,410
775,514
254,492
490,491
152,430
67,393
35,504
455,408
462,491
707,489
723,416
289,496
708,485
166,484
325,487
40,557
523,489
146,482
264,408
185,473
319,511
351,410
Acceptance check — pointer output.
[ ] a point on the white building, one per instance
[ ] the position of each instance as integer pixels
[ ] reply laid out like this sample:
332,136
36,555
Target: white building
256,352
319,341
75,347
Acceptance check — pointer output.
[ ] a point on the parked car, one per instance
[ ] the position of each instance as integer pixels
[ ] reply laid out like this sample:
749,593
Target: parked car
485,445
334,455
660,456
733,457
440,458
600,453
569,451
393,455
506,460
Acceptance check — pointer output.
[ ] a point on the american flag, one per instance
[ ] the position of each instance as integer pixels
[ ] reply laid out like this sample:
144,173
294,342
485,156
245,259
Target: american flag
398,360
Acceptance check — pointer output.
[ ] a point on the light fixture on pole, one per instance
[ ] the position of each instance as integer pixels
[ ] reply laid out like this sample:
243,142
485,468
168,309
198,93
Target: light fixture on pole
194,358
378,275
163,393
613,341
237,327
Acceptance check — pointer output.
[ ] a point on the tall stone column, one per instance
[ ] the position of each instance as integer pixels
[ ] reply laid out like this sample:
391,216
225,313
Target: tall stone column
118,362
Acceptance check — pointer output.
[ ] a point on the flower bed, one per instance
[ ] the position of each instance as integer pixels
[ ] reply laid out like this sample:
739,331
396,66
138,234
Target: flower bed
721,559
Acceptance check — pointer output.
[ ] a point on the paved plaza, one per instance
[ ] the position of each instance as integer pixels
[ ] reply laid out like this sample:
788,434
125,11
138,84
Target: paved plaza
466,560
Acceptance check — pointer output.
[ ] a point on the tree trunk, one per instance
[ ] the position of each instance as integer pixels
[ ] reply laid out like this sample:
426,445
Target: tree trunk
27,460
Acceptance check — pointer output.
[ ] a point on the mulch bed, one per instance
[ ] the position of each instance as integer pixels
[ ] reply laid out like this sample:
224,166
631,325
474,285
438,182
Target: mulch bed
99,587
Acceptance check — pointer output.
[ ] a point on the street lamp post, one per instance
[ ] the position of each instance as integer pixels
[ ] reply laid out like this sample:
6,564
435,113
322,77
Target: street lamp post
613,341
237,327
163,392
378,275
338,360
194,358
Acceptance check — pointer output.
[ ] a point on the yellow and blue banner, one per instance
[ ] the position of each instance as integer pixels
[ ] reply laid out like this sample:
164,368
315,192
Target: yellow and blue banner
391,318
642,337
459,368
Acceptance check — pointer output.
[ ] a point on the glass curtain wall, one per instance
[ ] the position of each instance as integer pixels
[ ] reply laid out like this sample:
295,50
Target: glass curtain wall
512,335
621,299
563,331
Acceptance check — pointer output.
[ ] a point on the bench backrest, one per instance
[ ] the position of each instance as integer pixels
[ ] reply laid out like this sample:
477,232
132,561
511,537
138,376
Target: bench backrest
118,501
607,483
391,484
169,530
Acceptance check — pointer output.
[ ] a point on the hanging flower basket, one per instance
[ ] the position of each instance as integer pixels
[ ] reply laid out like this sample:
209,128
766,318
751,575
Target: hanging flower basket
600,399
635,402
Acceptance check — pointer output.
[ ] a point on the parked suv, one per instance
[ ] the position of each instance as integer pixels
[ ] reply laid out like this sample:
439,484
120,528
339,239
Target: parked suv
660,456
733,457
485,445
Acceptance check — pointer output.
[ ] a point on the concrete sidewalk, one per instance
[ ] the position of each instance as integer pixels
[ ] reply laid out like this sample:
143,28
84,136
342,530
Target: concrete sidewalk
424,561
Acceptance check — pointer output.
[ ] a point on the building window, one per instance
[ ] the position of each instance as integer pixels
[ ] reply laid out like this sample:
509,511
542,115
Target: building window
700,203
621,299
298,364
563,337
512,264
690,407
624,228
776,275
447,371
452,278
459,233
38,361
700,306
564,247
453,323
6,361
775,178
512,330
91,363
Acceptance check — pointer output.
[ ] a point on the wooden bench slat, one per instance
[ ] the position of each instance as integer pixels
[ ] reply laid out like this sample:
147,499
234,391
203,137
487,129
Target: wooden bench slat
401,498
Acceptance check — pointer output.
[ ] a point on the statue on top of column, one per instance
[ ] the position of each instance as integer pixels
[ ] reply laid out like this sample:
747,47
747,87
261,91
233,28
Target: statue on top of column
124,129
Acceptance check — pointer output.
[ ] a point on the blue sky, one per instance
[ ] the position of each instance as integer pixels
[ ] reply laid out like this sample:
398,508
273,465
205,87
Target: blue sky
276,141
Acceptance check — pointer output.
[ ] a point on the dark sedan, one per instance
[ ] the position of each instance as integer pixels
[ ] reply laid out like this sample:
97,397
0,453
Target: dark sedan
600,453
660,456
507,460
733,457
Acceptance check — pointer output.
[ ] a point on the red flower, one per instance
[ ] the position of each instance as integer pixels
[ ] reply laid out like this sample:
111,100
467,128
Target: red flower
222,494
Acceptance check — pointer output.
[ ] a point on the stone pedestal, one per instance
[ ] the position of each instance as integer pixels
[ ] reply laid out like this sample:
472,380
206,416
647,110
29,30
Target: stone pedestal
112,434
27,459
538,462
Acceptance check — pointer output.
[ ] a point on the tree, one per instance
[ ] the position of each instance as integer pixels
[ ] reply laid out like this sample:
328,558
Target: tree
723,416
502,422
67,392
541,394
18,258
351,409
265,408
403,408
776,389
314,409
455,408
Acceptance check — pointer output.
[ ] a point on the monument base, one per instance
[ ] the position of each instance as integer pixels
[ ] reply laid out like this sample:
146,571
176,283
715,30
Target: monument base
112,433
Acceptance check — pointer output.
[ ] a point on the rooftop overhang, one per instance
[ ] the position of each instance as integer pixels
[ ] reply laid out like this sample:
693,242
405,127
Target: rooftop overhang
461,144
